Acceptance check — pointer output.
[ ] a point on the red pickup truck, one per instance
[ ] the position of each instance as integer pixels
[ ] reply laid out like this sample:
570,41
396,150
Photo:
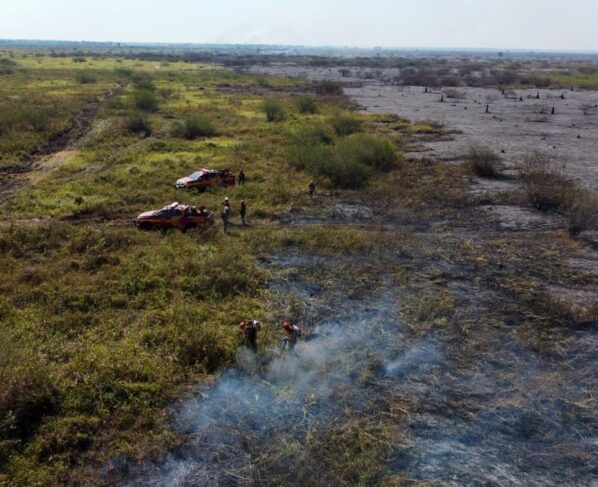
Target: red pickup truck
175,215
206,178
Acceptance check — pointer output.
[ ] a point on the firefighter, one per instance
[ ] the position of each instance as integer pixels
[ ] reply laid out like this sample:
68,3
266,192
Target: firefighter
311,189
291,335
243,212
225,215
250,329
226,202
241,177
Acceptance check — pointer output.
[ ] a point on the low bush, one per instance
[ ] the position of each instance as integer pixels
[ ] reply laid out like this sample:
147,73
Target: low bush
146,101
26,397
166,93
139,124
193,128
7,66
345,124
545,184
123,72
582,213
307,104
454,94
329,88
345,174
79,59
85,78
369,150
309,157
349,164
482,161
143,82
274,111
313,133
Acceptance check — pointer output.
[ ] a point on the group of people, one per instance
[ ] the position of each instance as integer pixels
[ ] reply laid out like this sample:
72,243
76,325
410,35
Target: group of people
225,215
291,334
226,209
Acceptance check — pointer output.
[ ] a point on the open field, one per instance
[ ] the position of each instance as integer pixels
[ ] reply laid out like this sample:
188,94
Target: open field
513,127
451,326
517,121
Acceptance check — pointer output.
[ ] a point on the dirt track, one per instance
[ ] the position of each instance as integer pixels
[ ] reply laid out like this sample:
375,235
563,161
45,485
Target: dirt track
54,150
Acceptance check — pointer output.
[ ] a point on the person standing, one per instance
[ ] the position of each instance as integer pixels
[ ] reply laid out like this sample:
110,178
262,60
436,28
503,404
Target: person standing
243,212
291,335
250,330
225,215
241,178
311,189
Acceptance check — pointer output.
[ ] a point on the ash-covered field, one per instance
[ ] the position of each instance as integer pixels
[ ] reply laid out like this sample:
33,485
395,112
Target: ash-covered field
517,121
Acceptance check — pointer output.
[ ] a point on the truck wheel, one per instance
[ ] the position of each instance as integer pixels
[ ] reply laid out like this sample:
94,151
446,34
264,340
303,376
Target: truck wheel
146,226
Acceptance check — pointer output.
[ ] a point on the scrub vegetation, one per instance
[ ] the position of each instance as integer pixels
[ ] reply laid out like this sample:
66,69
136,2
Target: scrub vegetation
104,327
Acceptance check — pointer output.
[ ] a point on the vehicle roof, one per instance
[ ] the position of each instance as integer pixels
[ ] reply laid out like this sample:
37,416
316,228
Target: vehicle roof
174,205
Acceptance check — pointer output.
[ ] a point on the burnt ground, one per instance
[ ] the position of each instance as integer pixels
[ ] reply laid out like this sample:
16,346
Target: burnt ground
437,356
513,126
12,176
459,349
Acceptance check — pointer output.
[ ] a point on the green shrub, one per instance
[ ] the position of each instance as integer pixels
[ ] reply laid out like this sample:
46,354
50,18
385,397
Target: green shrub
36,118
79,59
370,150
123,72
312,134
26,397
85,78
7,66
143,82
346,174
307,104
194,127
482,161
146,101
309,157
166,93
345,124
274,111
139,124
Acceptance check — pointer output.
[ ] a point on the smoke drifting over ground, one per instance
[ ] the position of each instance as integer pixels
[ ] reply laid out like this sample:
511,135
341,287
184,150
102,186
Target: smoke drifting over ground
497,416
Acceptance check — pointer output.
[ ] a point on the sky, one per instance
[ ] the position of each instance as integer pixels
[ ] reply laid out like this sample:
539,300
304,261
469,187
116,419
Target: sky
504,24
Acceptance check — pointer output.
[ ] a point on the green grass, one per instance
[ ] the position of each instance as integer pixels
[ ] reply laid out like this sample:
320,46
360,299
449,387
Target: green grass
566,79
107,325
104,326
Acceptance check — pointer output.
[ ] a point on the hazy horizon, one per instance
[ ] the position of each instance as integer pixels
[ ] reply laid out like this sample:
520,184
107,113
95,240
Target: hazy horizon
427,24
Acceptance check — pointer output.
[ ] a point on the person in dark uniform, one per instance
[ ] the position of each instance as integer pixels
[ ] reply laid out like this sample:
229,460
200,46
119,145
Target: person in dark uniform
250,329
243,211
